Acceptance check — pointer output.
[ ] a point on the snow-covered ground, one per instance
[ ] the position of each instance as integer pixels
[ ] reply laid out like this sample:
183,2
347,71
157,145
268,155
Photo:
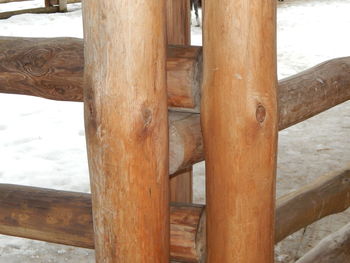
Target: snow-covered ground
42,142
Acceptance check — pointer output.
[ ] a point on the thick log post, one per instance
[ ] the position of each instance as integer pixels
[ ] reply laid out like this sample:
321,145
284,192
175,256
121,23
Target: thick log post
66,218
239,121
178,22
179,33
127,129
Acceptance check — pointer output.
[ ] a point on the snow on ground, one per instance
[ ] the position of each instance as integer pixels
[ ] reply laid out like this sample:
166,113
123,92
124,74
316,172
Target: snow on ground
42,142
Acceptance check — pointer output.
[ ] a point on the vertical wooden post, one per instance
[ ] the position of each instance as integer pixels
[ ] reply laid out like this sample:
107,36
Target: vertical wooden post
178,22
126,127
240,129
179,33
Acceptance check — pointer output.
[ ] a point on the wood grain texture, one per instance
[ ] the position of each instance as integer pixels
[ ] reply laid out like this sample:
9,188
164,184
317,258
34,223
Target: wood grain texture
335,248
239,123
66,218
314,90
178,22
53,68
330,194
181,186
185,141
126,124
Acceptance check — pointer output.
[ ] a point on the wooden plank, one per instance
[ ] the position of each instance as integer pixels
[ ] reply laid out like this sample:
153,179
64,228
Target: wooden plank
53,68
125,105
66,218
326,196
239,123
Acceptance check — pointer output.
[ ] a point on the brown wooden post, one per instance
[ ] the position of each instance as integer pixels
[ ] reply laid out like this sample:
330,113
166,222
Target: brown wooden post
178,22
179,33
127,129
239,118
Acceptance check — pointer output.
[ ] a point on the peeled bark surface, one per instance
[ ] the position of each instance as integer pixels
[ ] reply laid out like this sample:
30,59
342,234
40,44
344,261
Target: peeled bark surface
53,68
36,69
328,195
126,126
239,124
66,218
313,91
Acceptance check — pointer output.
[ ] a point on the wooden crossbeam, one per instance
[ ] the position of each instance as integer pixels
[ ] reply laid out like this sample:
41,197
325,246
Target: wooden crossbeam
65,217
53,68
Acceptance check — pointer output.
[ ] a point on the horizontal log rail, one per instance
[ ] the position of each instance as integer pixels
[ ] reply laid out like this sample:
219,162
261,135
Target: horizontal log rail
65,217
327,195
333,248
53,69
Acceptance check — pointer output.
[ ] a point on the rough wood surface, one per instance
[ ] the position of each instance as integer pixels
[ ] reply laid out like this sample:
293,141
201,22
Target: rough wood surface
312,91
239,123
39,10
335,248
35,67
328,195
53,68
178,33
126,124
66,218
185,141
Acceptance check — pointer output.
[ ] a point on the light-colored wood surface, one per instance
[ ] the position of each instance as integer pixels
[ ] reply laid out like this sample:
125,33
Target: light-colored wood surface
66,218
239,123
127,129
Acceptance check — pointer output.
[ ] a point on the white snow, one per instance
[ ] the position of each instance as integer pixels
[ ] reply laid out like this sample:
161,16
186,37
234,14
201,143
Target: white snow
42,142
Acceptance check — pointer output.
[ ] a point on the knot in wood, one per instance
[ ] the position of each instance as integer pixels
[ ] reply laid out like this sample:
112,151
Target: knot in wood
260,113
